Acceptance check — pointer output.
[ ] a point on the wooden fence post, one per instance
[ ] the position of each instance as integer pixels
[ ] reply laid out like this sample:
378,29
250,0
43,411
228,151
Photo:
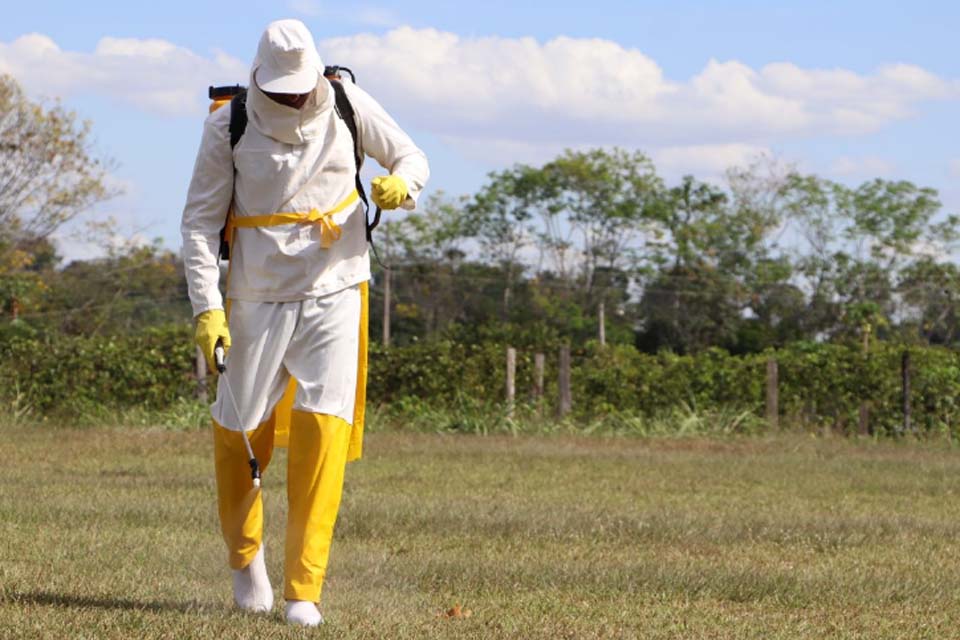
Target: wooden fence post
905,374
539,365
566,399
773,394
602,323
511,379
386,307
387,277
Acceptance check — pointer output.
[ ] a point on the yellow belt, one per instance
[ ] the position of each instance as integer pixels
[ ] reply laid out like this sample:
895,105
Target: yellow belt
330,231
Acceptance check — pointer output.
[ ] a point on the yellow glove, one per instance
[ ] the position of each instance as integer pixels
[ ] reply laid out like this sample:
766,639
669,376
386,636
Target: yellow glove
211,327
389,192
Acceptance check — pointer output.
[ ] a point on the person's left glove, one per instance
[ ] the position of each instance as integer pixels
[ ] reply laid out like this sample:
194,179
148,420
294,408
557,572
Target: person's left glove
211,328
389,192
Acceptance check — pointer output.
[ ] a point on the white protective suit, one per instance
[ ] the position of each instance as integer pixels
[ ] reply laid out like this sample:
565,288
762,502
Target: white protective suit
297,291
288,160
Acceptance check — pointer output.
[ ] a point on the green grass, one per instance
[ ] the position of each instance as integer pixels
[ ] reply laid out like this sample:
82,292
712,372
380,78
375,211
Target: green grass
113,533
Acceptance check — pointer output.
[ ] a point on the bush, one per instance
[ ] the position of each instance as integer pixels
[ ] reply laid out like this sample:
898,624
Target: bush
59,374
615,386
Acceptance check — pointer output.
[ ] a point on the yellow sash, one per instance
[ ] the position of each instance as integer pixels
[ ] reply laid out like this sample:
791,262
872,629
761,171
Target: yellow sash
330,231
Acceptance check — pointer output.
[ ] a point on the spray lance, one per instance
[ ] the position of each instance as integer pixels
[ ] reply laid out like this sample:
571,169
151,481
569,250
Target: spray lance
218,355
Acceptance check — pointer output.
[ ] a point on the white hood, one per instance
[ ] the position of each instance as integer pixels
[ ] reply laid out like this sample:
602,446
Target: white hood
286,124
287,52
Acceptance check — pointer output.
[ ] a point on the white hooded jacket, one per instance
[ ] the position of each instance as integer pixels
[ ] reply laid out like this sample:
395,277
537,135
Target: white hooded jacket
288,160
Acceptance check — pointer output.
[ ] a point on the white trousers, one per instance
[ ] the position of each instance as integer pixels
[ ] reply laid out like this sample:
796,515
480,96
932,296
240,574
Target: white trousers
316,341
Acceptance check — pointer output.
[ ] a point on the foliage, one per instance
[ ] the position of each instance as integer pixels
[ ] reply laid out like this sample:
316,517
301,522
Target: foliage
48,173
63,375
700,284
462,385
131,288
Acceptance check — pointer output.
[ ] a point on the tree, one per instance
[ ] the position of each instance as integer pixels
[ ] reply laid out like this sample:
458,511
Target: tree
499,215
857,242
931,289
133,287
687,303
49,174
577,225
717,283
606,200
427,252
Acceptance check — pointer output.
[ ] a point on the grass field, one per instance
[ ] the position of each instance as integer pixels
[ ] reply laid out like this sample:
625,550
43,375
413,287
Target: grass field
113,533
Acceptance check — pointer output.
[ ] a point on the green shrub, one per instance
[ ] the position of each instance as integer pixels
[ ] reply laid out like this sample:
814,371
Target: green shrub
69,375
461,386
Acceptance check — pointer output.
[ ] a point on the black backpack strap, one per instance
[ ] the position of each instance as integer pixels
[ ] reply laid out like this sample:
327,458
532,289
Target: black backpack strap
348,115
238,117
238,125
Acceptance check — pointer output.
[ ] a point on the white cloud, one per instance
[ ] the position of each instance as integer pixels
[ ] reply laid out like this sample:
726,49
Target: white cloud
502,88
848,103
520,96
865,167
570,91
153,74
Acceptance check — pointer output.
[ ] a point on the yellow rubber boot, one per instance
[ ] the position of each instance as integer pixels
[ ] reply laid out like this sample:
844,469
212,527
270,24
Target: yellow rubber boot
239,504
317,459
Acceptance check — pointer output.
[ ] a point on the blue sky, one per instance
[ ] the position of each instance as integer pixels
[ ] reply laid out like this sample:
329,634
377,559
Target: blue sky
849,90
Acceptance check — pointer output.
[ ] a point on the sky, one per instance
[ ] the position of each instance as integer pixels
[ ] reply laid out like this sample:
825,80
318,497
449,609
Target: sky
848,90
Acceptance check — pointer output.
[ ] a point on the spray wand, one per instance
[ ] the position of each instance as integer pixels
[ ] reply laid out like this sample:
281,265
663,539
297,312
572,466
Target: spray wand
218,355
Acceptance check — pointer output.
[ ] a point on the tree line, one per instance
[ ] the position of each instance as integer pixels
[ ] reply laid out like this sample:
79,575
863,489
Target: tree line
765,257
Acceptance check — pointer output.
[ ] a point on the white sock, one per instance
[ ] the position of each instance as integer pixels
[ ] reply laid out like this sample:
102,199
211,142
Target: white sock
251,586
304,613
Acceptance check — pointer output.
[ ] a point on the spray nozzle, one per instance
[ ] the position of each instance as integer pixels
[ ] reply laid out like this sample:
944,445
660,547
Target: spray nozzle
218,357
255,471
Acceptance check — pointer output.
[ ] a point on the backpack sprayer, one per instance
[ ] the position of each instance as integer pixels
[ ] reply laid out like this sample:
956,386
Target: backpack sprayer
221,96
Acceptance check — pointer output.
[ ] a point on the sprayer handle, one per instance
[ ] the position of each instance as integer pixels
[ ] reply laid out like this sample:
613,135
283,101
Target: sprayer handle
218,357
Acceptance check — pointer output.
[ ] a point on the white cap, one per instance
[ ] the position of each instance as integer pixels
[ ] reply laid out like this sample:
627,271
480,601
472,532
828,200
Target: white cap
287,59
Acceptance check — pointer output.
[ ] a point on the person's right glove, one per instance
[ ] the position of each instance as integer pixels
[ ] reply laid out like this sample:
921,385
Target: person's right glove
211,328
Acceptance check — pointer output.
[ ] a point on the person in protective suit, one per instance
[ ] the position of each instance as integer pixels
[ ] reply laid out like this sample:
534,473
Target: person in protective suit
296,298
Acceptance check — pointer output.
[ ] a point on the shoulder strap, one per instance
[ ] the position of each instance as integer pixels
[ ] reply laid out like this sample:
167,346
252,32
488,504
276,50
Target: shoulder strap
238,117
349,117
238,125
